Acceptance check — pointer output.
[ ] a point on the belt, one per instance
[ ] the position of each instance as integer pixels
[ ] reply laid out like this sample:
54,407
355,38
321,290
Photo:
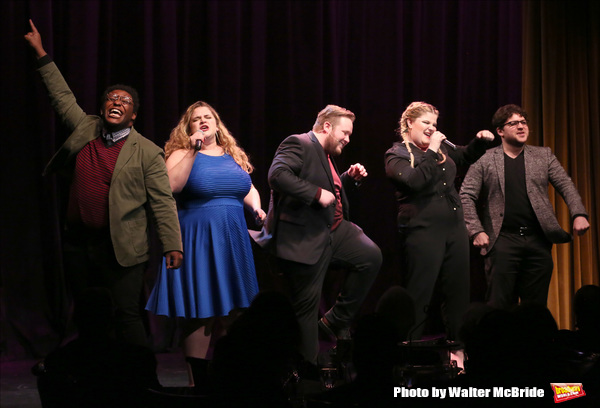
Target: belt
522,231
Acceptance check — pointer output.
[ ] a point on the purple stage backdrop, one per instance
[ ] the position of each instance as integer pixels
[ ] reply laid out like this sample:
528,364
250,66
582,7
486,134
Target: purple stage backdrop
268,67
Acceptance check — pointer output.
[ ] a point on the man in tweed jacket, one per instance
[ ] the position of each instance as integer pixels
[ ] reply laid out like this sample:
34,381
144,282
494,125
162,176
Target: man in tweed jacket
516,225
119,186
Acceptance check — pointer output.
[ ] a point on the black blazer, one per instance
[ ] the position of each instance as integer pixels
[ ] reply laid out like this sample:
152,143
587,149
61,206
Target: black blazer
297,226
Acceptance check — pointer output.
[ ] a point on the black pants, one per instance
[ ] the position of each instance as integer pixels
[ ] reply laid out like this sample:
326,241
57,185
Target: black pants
347,245
518,267
437,262
90,261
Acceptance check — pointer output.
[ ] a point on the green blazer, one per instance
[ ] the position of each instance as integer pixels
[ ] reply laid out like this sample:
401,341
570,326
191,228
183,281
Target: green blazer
139,188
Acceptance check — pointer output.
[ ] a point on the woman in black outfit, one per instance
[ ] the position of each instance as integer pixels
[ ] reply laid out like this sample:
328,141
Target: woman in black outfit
435,243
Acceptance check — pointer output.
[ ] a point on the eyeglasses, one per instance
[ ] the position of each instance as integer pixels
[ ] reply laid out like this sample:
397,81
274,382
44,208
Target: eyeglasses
515,123
125,100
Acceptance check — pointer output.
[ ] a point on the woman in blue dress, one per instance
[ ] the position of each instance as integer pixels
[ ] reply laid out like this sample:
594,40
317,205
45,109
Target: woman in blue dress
209,176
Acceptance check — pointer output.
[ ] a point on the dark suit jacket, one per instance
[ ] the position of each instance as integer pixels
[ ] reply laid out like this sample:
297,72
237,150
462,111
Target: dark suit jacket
297,226
485,180
139,187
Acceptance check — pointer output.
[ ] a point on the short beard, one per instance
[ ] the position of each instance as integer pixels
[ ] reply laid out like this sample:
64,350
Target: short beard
330,146
515,143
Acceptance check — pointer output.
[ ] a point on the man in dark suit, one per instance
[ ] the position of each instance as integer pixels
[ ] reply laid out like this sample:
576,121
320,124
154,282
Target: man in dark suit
119,182
518,226
309,229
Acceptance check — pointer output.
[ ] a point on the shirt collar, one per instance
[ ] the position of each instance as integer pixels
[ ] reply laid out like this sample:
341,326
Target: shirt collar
114,137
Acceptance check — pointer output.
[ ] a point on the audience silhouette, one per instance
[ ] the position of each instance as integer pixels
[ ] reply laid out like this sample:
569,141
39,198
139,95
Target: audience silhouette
586,306
256,363
519,348
257,357
375,353
581,347
96,370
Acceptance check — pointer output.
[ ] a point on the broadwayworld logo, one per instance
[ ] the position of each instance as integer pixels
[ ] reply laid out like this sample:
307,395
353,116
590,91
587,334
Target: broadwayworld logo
567,391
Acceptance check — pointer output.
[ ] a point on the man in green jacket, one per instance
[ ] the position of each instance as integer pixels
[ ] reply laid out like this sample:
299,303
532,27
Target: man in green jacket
118,182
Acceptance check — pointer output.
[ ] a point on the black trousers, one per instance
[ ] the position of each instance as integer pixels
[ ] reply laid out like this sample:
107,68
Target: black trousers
518,267
437,264
89,261
348,245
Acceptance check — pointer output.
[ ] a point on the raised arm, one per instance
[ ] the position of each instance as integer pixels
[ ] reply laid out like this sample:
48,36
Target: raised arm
61,97
179,166
180,163
35,41
469,154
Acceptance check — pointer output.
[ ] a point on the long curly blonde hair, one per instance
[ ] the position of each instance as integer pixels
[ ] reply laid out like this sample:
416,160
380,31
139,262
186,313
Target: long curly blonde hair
413,111
180,137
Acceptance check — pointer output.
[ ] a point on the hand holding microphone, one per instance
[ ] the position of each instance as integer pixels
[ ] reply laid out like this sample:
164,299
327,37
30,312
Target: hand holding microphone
198,143
439,137
435,140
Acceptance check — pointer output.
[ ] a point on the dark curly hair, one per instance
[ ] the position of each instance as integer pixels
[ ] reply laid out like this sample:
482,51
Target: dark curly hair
505,112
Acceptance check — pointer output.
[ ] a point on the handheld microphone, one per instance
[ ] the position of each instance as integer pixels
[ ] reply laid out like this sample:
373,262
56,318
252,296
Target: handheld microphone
449,143
198,144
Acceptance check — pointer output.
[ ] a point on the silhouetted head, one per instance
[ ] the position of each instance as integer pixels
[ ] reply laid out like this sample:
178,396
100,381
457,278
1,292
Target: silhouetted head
586,305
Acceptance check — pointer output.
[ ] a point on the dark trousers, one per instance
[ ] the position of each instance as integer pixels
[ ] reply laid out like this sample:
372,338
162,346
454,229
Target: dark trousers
518,267
89,261
437,261
349,246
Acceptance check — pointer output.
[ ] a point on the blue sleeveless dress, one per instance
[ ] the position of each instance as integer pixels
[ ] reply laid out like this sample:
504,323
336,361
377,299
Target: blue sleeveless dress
217,273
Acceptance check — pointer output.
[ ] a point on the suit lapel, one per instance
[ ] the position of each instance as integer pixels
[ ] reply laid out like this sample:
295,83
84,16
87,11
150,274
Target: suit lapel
530,163
127,151
499,166
323,158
